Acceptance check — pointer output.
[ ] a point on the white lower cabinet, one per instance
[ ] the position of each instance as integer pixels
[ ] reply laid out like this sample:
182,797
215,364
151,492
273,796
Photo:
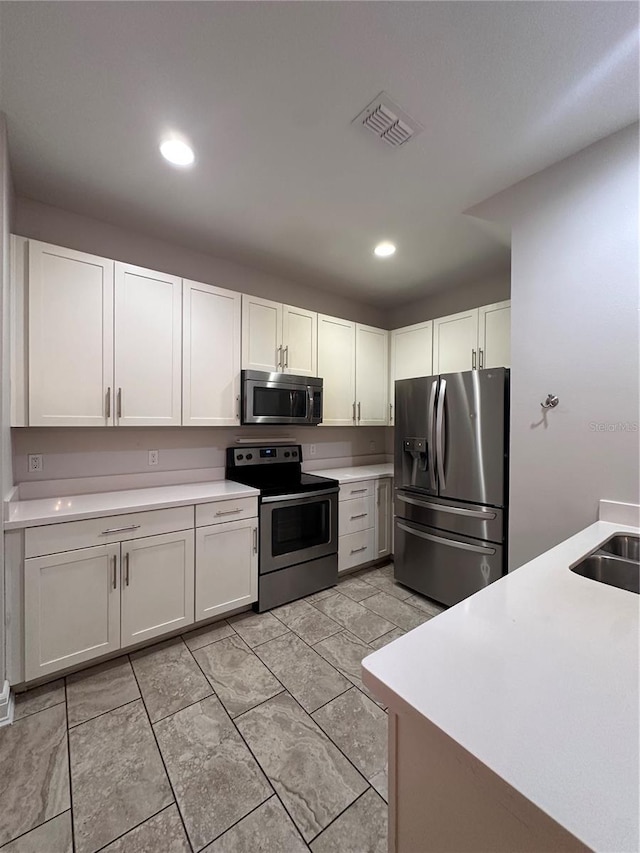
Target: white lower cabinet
72,608
157,586
226,567
364,519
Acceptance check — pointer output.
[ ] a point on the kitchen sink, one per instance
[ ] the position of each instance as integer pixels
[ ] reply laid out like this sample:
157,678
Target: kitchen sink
607,567
623,545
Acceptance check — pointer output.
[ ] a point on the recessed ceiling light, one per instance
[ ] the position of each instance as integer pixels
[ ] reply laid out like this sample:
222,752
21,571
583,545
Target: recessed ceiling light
177,152
385,249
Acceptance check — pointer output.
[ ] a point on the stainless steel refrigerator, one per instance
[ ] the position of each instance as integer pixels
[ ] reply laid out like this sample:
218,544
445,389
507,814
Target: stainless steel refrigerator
451,467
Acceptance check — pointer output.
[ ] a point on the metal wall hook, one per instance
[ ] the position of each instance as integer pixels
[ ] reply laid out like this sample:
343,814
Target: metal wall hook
551,402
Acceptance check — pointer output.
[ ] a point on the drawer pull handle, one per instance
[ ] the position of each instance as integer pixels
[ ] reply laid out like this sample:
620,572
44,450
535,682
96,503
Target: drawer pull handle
360,515
357,491
228,511
119,529
126,569
357,550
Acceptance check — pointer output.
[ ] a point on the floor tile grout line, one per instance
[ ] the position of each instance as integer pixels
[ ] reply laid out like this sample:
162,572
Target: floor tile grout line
164,766
5,844
137,826
31,713
103,713
71,815
333,820
184,707
211,642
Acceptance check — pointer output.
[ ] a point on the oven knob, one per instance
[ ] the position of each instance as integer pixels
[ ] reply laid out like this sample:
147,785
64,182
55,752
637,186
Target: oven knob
249,455
239,456
287,454
294,453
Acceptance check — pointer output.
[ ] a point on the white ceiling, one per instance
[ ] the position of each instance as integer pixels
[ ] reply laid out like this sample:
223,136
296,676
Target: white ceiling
266,92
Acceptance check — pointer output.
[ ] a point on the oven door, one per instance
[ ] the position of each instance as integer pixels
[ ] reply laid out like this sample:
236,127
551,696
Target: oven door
266,402
297,528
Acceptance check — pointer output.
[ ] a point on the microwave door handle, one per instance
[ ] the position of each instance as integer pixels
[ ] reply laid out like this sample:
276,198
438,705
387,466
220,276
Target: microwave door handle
431,446
310,403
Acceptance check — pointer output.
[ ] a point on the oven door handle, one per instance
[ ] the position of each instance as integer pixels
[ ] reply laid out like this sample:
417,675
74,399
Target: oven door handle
302,496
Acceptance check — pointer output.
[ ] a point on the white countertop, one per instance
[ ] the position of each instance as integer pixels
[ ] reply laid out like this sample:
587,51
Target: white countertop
537,676
54,510
357,472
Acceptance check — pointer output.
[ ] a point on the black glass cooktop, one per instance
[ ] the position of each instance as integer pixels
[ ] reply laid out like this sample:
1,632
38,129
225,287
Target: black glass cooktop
269,470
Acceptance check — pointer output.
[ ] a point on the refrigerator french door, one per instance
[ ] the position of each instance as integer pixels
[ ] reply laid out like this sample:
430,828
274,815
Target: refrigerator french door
451,489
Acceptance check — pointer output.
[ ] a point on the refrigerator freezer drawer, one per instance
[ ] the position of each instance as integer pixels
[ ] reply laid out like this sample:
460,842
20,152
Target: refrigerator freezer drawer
443,566
481,522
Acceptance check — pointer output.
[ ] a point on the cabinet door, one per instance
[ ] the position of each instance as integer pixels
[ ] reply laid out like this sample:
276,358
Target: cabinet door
383,517
157,585
261,334
210,355
226,567
337,367
411,355
71,608
70,337
455,342
372,376
494,335
300,341
148,347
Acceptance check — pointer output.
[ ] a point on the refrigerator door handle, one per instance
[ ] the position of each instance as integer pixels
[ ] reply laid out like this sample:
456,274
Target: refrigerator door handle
431,445
463,546
440,433
469,513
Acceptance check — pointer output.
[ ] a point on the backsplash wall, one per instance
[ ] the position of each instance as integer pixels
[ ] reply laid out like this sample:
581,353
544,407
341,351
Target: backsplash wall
119,457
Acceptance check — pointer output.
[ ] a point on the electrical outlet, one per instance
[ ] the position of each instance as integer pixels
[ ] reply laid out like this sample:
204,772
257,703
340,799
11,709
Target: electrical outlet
153,457
372,447
312,450
35,462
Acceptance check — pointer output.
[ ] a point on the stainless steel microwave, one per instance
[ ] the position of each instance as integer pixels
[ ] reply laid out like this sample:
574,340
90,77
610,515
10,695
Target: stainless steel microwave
280,398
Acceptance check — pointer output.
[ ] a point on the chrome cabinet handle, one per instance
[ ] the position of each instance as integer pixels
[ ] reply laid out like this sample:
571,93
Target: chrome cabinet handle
390,412
119,529
279,357
357,491
108,404
359,411
480,358
473,359
357,550
464,546
115,575
238,409
440,433
255,540
228,511
359,515
286,356
126,569
353,415
119,402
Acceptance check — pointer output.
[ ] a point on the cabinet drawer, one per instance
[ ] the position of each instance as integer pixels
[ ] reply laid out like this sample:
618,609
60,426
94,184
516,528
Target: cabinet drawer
69,535
361,489
355,515
355,549
229,510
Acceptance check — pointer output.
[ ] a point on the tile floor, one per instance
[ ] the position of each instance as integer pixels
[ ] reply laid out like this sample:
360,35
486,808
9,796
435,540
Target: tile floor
253,734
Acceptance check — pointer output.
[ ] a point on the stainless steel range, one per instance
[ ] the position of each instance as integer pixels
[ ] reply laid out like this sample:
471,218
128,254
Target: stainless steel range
298,522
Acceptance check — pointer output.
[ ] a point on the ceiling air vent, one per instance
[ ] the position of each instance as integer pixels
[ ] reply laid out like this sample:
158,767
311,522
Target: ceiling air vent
388,121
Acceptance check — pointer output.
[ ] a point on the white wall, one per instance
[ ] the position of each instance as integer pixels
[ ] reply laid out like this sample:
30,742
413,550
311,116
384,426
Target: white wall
6,477
186,454
63,228
472,294
574,333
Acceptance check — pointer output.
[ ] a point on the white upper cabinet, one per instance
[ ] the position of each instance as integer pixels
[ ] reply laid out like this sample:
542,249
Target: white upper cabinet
494,335
148,347
337,367
261,334
278,338
210,355
70,349
455,342
411,356
372,371
299,341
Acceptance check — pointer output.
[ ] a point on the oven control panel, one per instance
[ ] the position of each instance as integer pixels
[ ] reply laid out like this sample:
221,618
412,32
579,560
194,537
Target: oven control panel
265,455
